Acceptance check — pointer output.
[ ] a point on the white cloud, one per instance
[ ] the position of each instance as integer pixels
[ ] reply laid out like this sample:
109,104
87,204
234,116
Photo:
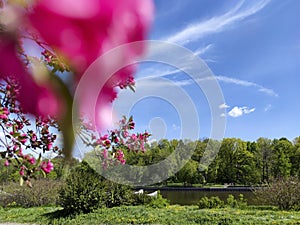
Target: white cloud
216,24
224,106
240,111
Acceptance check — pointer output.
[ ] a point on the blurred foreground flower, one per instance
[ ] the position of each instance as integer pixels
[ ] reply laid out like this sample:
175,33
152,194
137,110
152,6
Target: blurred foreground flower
71,35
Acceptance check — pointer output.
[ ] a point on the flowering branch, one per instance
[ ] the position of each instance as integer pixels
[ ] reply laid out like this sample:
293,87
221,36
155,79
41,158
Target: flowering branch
109,147
22,140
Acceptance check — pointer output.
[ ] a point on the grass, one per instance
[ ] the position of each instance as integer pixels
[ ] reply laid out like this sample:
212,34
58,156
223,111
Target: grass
144,215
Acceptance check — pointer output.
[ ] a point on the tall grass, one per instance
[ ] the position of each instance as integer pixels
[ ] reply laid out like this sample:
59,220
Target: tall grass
146,215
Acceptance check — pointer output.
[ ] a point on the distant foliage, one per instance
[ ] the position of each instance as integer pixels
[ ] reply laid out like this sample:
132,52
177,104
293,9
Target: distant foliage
238,162
282,192
44,192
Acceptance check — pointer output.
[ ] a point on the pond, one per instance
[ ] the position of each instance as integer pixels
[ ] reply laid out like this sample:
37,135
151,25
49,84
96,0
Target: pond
183,197
191,196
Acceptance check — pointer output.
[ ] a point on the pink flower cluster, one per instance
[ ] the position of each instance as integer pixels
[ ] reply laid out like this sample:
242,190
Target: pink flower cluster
33,97
47,167
113,144
75,32
21,135
71,35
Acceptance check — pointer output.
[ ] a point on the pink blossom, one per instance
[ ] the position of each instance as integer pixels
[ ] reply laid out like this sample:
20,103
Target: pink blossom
104,137
3,116
119,155
134,137
31,160
125,134
23,138
49,146
84,30
6,163
38,100
34,137
106,143
47,167
22,172
22,168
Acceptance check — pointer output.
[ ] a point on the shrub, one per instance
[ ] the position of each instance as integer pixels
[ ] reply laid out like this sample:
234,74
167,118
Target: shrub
232,202
158,201
117,194
141,199
44,192
210,203
283,193
83,191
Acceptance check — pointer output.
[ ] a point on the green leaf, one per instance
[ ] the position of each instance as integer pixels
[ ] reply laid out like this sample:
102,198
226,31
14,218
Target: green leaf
44,174
38,161
16,134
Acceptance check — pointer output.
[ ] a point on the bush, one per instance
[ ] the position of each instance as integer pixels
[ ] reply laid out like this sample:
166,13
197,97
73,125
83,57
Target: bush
117,194
141,199
158,201
44,192
236,203
210,203
83,191
283,193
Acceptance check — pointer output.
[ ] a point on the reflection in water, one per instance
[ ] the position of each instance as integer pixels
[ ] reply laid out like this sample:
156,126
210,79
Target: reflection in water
183,197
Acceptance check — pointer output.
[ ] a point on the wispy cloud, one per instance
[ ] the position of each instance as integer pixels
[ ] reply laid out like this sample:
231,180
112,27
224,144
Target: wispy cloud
201,51
268,108
245,83
216,24
157,72
240,111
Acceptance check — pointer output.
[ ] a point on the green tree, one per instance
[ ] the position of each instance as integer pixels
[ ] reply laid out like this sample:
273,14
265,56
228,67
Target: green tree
189,174
264,157
295,158
283,150
236,163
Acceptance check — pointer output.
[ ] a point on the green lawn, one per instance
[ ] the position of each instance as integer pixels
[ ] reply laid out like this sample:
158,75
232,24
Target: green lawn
142,215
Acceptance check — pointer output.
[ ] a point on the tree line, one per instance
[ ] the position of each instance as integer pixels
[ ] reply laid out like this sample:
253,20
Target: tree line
237,162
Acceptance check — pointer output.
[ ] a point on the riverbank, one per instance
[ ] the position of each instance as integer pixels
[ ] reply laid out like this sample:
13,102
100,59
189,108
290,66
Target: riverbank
173,214
204,189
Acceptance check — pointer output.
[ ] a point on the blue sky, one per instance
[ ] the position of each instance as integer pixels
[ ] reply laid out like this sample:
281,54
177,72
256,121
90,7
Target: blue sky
253,50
